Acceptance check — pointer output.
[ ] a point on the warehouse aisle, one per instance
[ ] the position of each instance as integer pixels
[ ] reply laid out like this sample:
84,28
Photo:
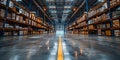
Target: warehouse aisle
45,47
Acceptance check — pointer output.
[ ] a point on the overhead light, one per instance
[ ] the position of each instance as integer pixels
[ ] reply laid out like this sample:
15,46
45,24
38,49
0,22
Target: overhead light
52,6
44,9
53,11
101,0
49,0
74,9
67,6
68,0
66,11
18,0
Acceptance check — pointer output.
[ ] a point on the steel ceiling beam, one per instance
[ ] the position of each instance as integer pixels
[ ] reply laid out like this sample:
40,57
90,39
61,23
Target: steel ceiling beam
76,11
42,11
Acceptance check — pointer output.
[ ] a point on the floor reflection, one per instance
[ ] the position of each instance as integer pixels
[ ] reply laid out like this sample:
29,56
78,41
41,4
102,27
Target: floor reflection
44,47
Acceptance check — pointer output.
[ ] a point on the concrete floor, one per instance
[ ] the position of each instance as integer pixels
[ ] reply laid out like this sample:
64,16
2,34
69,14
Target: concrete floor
45,47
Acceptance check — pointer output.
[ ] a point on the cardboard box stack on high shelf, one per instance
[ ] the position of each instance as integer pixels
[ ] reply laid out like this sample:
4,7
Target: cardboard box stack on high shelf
116,23
101,9
117,32
7,33
91,27
9,16
3,2
114,2
2,13
13,16
8,25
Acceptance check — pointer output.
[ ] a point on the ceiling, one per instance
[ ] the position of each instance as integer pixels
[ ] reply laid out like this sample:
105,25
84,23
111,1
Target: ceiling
64,11
61,11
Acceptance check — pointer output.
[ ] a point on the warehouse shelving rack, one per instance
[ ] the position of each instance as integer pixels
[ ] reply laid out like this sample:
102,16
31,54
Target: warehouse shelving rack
110,20
30,28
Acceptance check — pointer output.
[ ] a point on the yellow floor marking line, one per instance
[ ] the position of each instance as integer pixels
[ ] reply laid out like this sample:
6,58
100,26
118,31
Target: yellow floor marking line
60,51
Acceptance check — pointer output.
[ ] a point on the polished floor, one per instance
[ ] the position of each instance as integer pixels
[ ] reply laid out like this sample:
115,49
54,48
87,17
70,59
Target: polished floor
45,47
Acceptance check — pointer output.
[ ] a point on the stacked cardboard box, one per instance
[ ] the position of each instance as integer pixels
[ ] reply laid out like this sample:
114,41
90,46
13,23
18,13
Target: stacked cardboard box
108,32
85,28
38,19
114,2
108,25
3,2
91,27
32,15
21,19
2,12
17,27
99,32
82,18
15,33
8,26
22,11
7,33
17,17
26,20
104,17
34,23
117,32
29,21
39,25
25,32
116,23
102,26
116,13
21,32
9,16
83,23
101,9
90,21
13,16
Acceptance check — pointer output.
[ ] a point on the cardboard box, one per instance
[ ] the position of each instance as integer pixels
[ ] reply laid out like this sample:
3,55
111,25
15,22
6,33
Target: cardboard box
26,21
7,33
21,32
117,32
2,12
15,33
108,32
108,25
116,23
17,17
29,21
99,32
8,26
25,32
21,19
3,2
91,27
103,25
9,16
13,16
